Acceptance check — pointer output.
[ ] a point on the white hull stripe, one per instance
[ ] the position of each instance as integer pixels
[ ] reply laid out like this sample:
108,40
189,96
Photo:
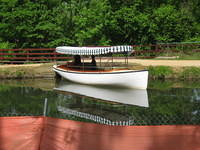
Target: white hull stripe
76,72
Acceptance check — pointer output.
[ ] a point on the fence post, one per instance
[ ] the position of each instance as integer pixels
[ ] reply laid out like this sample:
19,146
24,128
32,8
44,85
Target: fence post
27,55
45,107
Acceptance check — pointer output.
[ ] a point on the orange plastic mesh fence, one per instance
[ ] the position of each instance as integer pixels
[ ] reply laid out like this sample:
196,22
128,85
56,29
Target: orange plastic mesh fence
20,133
45,133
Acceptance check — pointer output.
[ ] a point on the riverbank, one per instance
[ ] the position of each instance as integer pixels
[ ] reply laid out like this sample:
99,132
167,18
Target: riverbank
158,69
26,71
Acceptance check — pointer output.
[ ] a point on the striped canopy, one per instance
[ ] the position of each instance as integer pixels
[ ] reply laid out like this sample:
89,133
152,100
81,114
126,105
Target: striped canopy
93,50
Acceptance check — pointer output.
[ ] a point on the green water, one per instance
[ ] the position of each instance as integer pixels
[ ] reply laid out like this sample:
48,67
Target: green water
168,102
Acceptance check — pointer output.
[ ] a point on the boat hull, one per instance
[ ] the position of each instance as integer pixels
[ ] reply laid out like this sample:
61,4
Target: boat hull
127,78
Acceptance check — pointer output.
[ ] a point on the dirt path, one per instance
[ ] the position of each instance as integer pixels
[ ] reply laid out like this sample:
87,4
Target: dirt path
144,62
156,62
24,65
172,63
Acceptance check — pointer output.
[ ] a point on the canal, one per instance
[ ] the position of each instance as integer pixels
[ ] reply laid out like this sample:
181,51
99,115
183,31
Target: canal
163,103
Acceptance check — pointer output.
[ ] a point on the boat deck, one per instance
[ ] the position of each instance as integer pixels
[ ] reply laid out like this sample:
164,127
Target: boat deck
90,68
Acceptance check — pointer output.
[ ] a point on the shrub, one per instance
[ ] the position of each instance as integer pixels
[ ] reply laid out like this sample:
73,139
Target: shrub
190,73
160,72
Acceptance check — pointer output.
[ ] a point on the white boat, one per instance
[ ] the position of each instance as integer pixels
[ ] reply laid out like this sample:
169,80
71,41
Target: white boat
86,75
118,95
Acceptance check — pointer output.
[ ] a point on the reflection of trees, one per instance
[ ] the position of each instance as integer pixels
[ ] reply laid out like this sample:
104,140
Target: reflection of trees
172,106
167,106
22,101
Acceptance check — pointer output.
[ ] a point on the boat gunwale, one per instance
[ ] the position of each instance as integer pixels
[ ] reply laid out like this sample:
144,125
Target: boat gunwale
113,71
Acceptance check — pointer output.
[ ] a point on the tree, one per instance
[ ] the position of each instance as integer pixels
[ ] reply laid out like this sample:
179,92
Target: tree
169,25
28,24
91,22
131,26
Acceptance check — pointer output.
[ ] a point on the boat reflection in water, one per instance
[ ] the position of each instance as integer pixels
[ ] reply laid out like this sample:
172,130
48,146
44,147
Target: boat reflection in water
113,94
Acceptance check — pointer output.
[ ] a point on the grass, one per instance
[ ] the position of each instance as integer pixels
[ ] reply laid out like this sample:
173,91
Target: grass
31,71
14,73
190,73
160,72
165,72
195,56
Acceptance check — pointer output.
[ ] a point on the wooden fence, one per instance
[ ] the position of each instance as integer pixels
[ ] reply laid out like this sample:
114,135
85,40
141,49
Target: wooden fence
167,49
42,55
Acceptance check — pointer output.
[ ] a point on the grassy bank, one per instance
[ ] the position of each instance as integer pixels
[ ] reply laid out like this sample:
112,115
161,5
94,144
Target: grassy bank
181,73
45,71
26,71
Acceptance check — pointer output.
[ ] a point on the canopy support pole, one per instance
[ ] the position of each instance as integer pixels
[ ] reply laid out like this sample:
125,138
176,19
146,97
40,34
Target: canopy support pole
112,61
83,64
126,60
100,60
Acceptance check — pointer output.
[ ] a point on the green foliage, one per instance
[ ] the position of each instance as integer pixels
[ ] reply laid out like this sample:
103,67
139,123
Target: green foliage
190,56
13,73
91,24
164,72
6,45
20,73
160,72
190,73
28,24
169,25
196,36
160,84
5,73
131,26
50,23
